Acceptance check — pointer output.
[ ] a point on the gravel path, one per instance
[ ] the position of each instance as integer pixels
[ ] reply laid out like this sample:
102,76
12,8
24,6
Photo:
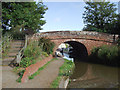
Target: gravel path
43,80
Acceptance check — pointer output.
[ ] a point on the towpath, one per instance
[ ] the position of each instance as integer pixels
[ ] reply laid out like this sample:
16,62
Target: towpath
43,80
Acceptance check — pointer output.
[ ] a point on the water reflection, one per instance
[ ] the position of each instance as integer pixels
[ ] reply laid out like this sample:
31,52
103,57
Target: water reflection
88,75
67,56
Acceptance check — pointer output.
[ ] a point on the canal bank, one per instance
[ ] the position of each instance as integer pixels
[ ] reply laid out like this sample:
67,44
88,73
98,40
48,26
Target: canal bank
65,72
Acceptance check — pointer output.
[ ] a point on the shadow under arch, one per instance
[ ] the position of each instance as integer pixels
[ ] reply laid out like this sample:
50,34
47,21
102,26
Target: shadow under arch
79,50
79,53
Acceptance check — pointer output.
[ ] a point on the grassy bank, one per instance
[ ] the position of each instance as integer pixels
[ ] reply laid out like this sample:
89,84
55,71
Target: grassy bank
65,70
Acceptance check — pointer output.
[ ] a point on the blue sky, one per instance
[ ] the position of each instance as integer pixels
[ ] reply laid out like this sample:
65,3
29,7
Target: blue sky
64,16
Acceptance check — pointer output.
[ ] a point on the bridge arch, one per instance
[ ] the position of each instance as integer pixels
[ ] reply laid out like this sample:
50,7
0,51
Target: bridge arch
79,49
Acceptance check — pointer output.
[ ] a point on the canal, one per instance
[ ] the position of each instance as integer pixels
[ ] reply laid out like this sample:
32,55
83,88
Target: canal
89,75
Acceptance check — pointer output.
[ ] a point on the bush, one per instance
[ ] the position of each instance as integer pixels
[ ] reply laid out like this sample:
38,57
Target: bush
46,45
27,61
32,50
103,52
94,50
106,54
30,54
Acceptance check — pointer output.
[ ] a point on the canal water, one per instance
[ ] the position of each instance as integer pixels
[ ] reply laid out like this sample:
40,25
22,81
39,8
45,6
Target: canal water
89,75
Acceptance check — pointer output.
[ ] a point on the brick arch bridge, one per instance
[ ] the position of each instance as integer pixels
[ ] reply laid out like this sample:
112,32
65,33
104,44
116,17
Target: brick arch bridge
87,38
82,41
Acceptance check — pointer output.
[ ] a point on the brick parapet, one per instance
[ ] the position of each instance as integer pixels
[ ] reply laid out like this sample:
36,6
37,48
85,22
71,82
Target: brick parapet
75,34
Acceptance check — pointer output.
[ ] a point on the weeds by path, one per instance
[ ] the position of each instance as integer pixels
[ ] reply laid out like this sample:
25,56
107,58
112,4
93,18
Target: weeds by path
65,70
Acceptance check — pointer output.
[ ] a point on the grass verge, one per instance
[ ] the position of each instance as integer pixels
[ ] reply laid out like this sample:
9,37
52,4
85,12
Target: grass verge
65,70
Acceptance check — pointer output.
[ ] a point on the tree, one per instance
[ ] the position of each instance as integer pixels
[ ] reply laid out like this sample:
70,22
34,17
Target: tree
99,15
25,15
116,26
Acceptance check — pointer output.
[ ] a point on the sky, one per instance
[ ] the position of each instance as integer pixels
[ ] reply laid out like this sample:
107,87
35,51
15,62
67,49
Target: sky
66,16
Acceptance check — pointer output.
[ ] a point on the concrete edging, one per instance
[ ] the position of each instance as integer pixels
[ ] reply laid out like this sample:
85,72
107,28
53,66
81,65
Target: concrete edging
64,82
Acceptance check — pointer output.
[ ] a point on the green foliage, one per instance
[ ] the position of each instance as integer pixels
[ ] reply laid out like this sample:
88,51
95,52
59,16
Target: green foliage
106,54
36,73
20,75
31,55
16,69
19,80
32,50
28,15
46,45
109,53
118,42
27,61
56,82
45,54
100,15
17,34
91,28
31,77
65,70
116,26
